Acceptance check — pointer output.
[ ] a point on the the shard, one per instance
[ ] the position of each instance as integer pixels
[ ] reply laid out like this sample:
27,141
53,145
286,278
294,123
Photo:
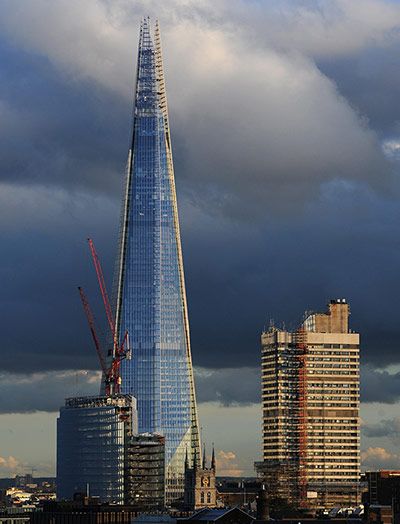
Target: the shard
149,290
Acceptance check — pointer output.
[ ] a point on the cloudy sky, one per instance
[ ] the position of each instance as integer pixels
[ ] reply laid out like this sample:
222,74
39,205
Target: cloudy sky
286,135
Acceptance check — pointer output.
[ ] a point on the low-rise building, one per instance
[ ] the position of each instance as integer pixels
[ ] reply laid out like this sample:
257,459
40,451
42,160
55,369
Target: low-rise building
380,486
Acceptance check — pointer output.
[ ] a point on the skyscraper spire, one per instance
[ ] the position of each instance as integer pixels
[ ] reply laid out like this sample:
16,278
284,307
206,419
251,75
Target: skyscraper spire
213,458
204,456
149,290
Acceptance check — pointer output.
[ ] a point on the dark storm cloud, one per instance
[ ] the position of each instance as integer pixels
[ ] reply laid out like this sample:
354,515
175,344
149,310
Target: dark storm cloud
385,428
55,133
244,275
285,196
229,387
44,236
370,81
379,386
44,391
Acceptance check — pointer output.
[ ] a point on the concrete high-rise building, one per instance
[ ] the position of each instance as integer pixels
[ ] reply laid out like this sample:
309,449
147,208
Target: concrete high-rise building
310,397
149,297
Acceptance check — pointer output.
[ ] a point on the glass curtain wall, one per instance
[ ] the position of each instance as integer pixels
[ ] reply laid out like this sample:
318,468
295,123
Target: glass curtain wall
149,291
91,439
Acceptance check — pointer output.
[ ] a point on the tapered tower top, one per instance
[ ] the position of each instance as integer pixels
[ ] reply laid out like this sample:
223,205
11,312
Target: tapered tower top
149,294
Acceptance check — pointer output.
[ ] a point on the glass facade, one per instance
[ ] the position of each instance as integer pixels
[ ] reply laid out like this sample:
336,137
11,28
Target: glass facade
149,291
92,433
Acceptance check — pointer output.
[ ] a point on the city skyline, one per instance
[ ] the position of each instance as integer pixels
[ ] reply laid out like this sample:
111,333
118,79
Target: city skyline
285,145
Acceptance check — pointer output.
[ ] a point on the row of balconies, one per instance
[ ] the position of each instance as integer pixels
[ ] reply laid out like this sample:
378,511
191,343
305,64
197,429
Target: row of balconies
270,396
332,372
280,438
345,386
320,451
319,431
348,447
281,432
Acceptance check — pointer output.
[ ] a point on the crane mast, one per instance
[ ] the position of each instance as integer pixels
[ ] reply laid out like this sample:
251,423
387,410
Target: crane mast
120,351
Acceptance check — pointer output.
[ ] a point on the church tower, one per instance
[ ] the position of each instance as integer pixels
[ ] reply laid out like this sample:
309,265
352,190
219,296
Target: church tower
200,486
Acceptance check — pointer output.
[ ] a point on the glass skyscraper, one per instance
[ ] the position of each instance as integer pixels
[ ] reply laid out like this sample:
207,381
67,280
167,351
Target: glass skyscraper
149,297
93,434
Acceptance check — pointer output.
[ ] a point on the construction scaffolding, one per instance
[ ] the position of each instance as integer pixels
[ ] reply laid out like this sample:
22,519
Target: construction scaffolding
145,472
310,395
300,341
284,469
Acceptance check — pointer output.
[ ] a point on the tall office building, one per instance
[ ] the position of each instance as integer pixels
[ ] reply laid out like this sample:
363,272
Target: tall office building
149,296
93,434
310,395
100,452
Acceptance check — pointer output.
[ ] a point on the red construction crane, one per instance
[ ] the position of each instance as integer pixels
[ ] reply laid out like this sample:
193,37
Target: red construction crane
96,339
103,290
120,352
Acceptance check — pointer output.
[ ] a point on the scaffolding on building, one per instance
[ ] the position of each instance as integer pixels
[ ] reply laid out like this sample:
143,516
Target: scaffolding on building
145,472
301,346
285,475
310,386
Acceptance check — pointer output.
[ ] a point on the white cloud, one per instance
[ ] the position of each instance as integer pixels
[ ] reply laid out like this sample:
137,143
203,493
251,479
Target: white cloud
227,465
82,39
379,458
252,117
265,121
11,466
94,38
391,148
324,29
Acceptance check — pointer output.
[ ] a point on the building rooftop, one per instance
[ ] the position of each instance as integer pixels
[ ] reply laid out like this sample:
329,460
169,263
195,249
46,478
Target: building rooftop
212,515
98,401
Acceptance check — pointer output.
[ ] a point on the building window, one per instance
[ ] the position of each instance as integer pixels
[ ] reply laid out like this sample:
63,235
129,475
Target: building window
208,498
202,497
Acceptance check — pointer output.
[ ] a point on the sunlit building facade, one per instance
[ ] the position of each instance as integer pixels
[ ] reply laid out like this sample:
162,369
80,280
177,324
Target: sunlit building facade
149,296
311,400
